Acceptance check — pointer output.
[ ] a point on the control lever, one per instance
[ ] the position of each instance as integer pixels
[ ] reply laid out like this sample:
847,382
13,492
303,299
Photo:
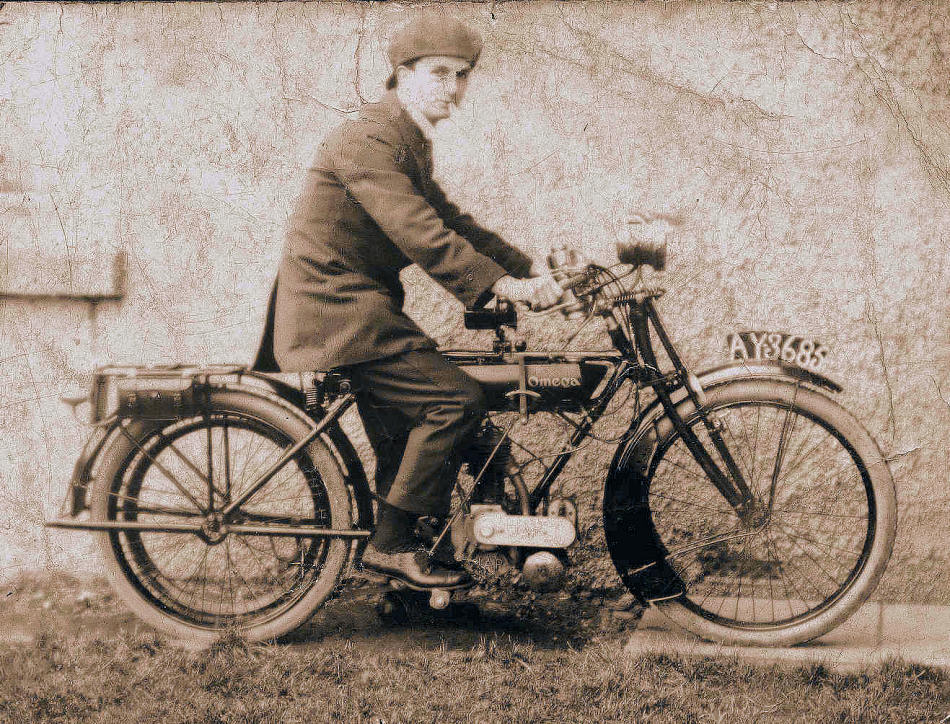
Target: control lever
565,264
504,314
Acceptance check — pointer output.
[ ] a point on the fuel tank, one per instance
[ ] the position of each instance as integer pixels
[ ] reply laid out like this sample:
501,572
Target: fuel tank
549,381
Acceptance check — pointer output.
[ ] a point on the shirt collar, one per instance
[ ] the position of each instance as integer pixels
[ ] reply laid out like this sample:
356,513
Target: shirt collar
414,122
422,123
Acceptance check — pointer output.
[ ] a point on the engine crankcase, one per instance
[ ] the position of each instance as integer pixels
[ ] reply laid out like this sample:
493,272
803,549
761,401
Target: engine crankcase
497,528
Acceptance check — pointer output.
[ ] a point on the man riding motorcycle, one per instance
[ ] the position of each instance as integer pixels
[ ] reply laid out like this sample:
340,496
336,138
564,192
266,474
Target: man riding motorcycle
368,209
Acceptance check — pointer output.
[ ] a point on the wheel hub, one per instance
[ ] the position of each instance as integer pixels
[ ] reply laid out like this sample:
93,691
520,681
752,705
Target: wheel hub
212,529
755,516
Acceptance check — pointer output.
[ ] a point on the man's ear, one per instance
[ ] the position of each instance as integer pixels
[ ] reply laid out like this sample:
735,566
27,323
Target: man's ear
402,73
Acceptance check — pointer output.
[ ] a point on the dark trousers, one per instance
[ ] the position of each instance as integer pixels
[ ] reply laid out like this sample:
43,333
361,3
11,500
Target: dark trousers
418,410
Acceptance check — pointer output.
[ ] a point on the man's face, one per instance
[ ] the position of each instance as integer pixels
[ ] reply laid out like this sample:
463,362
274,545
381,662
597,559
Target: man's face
435,84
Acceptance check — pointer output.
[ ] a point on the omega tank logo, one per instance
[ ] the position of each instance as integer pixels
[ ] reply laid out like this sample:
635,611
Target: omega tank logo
535,381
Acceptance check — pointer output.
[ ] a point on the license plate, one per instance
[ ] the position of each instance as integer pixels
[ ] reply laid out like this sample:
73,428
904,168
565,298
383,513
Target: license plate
792,349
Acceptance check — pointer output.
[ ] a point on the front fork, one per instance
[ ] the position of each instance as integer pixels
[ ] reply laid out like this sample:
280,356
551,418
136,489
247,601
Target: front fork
730,482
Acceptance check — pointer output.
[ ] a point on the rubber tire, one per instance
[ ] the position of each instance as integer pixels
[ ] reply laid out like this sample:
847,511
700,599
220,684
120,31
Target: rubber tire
293,424
882,485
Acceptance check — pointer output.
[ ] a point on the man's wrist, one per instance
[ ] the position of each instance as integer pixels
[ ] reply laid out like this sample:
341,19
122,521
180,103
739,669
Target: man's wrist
535,270
502,286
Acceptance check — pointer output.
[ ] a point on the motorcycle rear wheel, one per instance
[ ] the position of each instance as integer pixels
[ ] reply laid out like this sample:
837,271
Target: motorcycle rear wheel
195,587
804,567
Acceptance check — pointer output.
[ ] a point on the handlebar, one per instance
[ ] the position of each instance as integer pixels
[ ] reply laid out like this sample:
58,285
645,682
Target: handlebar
581,282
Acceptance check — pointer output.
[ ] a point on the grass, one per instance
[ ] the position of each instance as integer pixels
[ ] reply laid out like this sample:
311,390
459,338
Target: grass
536,664
138,678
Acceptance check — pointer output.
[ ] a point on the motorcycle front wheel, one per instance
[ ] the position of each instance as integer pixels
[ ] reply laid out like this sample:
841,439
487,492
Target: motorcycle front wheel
820,541
174,477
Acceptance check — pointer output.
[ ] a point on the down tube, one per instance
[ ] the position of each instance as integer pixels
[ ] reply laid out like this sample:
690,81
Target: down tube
621,374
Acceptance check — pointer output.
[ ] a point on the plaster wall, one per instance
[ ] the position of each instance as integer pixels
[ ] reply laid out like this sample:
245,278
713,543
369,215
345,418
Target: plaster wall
806,145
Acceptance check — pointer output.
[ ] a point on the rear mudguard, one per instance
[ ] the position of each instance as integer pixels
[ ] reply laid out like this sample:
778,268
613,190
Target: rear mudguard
80,482
278,391
636,549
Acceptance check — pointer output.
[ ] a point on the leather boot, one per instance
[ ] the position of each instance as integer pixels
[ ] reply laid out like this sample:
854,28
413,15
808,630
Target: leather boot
428,529
413,567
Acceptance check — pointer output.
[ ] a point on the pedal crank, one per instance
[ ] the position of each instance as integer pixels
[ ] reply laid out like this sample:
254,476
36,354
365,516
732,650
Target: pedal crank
439,598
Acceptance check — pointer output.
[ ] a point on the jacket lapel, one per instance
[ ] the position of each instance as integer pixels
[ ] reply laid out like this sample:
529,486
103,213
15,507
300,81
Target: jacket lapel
414,139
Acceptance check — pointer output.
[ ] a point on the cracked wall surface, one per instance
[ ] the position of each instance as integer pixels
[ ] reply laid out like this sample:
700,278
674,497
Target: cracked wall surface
807,146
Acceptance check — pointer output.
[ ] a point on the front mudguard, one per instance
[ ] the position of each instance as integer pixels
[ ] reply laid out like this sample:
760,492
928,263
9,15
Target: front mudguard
634,545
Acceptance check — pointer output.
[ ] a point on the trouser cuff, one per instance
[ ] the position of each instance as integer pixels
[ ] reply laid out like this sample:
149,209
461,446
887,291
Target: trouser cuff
419,505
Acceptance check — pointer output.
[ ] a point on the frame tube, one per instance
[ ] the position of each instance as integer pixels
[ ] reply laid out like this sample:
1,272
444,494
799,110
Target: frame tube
334,411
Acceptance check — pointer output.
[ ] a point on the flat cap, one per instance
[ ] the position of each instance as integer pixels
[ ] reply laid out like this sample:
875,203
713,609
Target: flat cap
432,33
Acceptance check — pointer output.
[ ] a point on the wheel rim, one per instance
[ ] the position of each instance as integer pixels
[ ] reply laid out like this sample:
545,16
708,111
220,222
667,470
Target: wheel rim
806,554
237,580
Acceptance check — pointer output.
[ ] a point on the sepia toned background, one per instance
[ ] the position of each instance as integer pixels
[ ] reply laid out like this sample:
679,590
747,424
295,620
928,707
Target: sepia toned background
807,147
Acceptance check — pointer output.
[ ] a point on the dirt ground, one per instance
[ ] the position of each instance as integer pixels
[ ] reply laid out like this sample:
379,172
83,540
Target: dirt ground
55,604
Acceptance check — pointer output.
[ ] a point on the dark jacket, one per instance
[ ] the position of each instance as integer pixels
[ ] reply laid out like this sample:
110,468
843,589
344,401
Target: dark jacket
368,209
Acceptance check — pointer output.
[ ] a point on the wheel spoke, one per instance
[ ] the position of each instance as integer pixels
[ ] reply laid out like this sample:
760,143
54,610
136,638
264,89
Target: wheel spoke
784,577
839,549
182,544
787,427
812,461
237,571
809,556
739,462
699,476
210,478
806,577
227,459
191,466
799,456
837,516
157,509
162,469
691,504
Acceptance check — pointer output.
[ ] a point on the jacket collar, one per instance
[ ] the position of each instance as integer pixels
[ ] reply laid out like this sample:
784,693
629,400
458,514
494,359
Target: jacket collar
408,128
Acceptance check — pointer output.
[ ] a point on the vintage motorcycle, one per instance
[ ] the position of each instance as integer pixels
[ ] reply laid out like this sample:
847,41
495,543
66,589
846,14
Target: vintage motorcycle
742,501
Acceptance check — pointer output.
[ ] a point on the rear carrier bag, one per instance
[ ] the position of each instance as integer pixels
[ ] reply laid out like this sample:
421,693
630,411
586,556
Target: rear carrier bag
151,393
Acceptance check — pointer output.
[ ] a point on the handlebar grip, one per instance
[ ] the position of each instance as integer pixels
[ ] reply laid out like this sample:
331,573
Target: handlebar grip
563,278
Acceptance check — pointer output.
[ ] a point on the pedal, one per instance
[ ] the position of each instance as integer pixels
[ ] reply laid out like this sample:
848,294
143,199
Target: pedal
522,531
398,585
372,576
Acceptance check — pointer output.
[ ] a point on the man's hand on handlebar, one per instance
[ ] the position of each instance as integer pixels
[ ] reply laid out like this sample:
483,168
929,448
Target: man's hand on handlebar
538,292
